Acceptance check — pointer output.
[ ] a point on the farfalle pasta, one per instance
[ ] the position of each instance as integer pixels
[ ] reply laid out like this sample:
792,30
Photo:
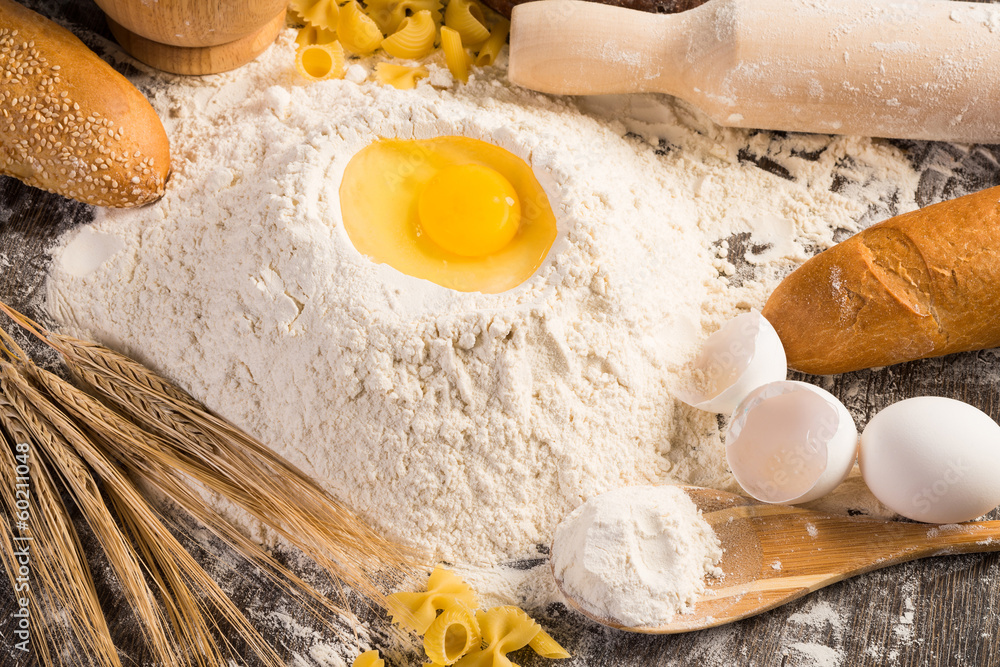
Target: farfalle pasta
455,54
452,634
414,39
463,639
310,34
318,13
504,630
320,61
403,77
466,17
369,659
544,645
417,611
357,32
490,49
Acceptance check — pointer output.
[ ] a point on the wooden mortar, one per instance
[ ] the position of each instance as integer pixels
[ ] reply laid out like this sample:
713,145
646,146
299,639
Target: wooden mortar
195,36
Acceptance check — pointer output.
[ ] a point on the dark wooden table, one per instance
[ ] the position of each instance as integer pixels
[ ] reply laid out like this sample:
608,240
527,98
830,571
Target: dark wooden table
938,612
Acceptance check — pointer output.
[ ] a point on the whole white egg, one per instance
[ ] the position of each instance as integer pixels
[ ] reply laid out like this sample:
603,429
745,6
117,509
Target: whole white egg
933,459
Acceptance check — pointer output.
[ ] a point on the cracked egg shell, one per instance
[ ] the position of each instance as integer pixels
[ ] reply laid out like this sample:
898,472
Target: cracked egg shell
741,356
790,442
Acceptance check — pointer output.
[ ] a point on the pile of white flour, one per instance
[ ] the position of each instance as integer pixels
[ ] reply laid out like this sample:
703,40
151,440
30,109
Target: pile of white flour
466,424
636,555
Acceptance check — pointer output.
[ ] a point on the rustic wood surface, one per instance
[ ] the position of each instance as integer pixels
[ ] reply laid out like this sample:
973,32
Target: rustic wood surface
943,611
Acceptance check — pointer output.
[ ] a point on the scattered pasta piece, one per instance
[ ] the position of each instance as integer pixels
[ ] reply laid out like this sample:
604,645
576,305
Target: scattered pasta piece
544,645
389,14
369,659
455,54
358,33
320,61
490,49
466,17
310,34
319,13
504,630
452,634
414,39
403,77
417,611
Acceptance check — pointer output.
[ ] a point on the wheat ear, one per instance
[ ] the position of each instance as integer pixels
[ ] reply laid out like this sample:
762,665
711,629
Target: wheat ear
85,491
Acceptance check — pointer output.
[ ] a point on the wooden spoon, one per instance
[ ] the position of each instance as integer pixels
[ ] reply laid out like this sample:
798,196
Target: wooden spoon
774,554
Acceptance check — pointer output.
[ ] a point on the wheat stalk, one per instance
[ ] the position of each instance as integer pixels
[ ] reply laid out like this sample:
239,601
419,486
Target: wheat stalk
57,562
237,466
136,427
148,457
78,480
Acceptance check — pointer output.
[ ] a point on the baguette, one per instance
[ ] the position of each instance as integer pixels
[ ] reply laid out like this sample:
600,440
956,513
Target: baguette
918,285
71,124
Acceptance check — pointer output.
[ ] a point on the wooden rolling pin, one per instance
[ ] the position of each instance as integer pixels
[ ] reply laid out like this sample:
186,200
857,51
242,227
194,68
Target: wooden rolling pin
907,69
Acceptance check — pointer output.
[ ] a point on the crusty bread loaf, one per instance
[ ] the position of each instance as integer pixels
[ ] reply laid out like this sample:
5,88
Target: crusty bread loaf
922,284
71,124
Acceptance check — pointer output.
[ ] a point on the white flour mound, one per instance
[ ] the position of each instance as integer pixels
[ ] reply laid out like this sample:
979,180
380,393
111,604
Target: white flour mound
466,424
637,555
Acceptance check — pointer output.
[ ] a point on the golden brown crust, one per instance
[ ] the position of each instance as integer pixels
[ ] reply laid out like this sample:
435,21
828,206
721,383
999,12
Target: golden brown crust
71,124
918,285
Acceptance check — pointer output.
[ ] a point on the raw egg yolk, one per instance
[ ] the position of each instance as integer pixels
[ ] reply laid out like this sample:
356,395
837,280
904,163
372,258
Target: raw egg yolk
470,210
462,213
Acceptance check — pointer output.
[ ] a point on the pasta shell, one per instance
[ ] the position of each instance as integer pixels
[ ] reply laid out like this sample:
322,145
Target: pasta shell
466,17
358,33
452,634
414,39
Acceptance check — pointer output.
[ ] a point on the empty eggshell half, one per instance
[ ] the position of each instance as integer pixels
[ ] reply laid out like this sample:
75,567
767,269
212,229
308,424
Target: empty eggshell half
790,442
741,356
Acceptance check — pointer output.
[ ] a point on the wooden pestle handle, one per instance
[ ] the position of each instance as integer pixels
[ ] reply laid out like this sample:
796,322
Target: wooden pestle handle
909,69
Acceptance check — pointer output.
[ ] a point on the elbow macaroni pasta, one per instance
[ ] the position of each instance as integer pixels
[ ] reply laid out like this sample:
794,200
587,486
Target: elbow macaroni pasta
454,54
414,39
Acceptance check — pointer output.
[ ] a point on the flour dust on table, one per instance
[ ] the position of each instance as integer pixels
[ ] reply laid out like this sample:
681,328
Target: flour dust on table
465,424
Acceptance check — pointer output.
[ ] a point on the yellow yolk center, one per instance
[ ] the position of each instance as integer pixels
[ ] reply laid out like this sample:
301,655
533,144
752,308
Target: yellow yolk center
470,210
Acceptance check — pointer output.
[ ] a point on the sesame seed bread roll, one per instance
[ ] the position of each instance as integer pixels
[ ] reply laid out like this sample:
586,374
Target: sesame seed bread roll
918,285
71,124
